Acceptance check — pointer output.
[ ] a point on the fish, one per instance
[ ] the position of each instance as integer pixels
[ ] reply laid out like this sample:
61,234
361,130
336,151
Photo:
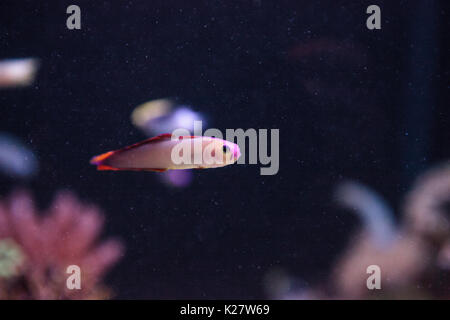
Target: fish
18,72
150,111
167,152
17,160
164,115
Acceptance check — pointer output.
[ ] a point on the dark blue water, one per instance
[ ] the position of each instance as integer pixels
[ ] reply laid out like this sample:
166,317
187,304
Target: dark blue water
349,105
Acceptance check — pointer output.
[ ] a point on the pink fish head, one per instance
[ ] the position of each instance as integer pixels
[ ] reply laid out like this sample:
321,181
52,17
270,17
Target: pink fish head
231,149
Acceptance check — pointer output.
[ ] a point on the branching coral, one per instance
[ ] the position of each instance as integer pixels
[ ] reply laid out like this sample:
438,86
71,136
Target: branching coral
36,250
414,258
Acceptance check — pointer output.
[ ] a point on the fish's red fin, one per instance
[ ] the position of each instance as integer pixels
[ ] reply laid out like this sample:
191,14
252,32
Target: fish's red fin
161,137
103,167
153,169
100,158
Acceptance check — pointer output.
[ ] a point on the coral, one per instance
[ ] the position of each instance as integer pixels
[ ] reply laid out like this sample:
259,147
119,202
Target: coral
414,257
36,249
424,207
401,265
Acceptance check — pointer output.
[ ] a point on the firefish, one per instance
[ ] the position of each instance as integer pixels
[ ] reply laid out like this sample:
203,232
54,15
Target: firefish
166,152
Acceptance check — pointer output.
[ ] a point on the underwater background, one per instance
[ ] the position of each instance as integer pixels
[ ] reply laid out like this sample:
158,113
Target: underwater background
351,104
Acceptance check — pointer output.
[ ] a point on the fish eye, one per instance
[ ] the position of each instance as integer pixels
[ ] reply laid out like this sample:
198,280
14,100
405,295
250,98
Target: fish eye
225,149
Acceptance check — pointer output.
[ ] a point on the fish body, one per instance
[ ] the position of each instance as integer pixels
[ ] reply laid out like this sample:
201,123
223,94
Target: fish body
17,72
165,152
16,159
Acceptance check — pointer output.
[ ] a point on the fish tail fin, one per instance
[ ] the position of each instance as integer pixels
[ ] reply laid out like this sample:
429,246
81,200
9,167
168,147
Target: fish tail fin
98,160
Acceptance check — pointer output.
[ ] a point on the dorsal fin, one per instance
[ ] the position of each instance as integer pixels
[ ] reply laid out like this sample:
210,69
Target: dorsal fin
161,137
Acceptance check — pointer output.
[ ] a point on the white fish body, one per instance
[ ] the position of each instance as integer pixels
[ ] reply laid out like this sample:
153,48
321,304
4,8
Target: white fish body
165,152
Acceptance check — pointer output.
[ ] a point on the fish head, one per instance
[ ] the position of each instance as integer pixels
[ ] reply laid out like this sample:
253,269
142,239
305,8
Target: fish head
219,153
230,152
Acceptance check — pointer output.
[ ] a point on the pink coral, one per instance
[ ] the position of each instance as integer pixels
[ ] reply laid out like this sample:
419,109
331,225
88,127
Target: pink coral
65,235
413,257
424,206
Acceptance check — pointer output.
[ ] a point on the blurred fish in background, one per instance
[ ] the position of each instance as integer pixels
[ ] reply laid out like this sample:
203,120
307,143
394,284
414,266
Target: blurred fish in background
16,159
18,72
177,178
165,116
